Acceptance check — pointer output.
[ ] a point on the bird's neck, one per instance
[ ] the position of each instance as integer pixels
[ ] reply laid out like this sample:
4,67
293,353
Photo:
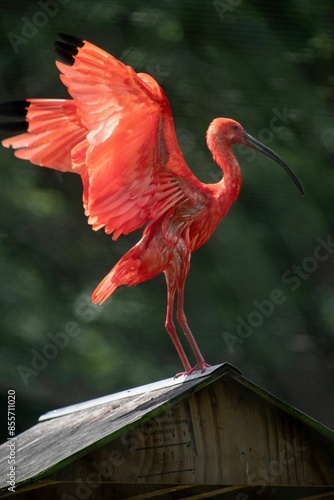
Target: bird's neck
228,187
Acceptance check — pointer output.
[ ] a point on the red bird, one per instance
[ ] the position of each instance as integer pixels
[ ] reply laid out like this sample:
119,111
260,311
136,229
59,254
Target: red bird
117,133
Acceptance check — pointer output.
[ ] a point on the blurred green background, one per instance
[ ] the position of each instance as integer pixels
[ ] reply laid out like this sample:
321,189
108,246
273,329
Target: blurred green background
267,65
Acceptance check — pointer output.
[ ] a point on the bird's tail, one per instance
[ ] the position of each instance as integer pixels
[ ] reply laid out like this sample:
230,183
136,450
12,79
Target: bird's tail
107,286
142,262
125,272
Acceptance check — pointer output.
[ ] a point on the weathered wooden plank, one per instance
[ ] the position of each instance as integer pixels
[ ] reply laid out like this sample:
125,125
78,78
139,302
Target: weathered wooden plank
214,492
135,391
158,492
220,435
201,437
186,492
51,444
237,379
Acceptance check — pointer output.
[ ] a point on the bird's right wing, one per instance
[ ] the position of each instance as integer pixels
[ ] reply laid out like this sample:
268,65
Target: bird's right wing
117,133
134,168
53,129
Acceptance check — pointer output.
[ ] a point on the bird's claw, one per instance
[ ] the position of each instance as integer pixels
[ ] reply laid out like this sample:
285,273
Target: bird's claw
200,366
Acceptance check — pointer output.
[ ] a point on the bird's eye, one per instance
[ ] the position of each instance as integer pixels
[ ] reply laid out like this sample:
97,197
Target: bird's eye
235,127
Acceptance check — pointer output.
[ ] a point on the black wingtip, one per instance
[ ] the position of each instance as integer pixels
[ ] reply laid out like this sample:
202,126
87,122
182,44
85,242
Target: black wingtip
68,48
72,40
14,109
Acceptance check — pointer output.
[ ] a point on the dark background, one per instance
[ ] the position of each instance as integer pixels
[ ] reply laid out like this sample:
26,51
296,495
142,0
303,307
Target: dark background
267,65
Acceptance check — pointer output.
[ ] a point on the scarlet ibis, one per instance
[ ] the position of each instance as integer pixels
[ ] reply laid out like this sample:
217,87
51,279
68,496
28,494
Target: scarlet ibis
117,133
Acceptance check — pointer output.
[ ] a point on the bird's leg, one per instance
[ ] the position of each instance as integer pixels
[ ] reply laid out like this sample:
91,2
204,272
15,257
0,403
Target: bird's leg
182,320
169,324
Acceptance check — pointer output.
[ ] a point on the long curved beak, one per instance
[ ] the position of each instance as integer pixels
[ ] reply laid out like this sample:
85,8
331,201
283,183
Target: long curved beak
255,144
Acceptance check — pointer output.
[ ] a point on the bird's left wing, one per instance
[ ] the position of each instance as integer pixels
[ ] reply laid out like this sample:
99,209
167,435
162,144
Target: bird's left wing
132,167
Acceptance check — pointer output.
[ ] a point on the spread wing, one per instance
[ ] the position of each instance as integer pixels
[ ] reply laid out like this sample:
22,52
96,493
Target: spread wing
135,170
117,133
53,130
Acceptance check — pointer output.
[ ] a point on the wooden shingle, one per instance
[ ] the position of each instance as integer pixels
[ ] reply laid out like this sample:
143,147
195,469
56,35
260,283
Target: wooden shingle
210,435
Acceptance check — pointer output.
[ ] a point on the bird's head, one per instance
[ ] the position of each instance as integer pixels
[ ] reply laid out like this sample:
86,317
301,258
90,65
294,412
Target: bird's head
223,132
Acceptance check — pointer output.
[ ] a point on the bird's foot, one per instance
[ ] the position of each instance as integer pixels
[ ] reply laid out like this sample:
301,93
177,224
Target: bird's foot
200,366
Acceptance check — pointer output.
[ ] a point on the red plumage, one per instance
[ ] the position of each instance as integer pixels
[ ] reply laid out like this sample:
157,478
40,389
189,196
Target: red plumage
117,133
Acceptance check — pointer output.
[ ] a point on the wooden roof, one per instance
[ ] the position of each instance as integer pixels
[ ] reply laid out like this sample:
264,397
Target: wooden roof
63,436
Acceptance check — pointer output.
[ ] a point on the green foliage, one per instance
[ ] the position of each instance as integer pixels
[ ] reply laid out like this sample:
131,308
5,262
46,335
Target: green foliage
268,65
